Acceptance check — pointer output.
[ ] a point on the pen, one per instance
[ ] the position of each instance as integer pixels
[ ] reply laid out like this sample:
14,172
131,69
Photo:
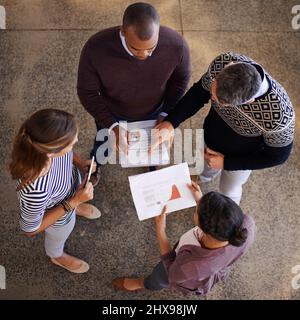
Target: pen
90,171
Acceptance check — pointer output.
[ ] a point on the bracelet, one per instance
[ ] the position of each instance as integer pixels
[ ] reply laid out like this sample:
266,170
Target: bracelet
66,205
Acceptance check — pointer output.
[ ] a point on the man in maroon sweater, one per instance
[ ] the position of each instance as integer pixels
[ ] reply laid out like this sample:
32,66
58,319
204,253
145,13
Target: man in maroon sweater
134,72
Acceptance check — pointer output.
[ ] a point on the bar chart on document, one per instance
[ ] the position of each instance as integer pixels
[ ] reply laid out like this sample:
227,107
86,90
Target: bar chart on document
153,190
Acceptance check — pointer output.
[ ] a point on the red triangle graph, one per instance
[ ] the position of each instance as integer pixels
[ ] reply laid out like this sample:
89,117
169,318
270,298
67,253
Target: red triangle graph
175,193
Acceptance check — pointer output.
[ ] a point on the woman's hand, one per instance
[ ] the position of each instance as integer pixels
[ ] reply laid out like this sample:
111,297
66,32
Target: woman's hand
83,194
160,221
121,139
195,188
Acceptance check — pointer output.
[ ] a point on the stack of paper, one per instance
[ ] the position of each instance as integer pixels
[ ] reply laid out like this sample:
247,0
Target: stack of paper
139,141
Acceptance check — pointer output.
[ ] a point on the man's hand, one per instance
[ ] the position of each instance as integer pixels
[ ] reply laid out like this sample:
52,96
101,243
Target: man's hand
160,119
85,166
215,160
195,188
163,131
121,135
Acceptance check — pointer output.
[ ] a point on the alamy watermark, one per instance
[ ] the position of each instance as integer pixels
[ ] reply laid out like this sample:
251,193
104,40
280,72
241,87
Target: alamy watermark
296,17
134,147
2,18
2,278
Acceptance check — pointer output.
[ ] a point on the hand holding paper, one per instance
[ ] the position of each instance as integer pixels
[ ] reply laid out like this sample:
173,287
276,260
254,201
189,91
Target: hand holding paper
195,188
121,135
153,190
160,221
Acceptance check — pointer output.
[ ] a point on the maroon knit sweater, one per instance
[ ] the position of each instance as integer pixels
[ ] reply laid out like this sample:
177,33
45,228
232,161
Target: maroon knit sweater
112,84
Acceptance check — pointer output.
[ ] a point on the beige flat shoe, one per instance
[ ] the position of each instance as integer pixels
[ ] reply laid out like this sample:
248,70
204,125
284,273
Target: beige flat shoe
84,267
88,211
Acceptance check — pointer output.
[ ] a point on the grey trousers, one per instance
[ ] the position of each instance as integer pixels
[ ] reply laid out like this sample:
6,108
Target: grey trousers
231,182
55,238
158,279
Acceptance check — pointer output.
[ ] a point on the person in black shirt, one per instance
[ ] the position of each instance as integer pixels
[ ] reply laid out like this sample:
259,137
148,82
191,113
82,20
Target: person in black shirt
250,124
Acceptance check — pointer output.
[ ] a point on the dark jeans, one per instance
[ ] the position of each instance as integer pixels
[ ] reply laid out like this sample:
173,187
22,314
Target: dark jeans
158,279
108,151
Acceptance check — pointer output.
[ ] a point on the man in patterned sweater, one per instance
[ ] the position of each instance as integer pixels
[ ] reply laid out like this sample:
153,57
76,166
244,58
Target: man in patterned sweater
250,124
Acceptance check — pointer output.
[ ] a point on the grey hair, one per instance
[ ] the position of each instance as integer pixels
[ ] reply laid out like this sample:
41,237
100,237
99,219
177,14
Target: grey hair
141,16
237,83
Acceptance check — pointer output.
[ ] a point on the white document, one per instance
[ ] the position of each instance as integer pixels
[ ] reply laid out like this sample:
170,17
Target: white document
139,141
151,191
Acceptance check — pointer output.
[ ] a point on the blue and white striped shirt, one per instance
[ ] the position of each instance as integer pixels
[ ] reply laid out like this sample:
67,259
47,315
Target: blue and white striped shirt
59,183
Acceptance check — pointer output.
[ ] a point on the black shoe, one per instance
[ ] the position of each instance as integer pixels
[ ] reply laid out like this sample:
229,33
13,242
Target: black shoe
152,168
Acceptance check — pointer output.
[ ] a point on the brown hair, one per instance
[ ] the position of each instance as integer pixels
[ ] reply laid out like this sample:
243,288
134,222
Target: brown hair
46,131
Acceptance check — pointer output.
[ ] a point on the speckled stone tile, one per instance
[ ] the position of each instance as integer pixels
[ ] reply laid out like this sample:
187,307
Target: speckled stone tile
38,70
237,15
82,14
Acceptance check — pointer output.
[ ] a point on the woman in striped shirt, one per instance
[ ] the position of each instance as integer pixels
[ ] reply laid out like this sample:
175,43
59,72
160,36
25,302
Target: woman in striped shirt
48,185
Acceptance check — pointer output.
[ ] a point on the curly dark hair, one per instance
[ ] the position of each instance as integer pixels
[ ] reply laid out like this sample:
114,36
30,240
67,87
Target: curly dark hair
220,217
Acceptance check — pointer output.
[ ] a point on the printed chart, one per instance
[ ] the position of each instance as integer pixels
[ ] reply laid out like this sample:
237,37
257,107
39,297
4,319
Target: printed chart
168,186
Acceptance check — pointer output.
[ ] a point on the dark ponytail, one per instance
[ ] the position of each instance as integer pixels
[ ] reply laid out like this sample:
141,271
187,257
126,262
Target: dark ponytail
239,237
220,217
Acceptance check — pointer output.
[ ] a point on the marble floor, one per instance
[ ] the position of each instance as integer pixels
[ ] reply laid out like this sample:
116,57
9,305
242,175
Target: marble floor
39,52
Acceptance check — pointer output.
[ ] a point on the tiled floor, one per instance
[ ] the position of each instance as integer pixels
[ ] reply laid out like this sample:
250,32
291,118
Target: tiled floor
39,54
